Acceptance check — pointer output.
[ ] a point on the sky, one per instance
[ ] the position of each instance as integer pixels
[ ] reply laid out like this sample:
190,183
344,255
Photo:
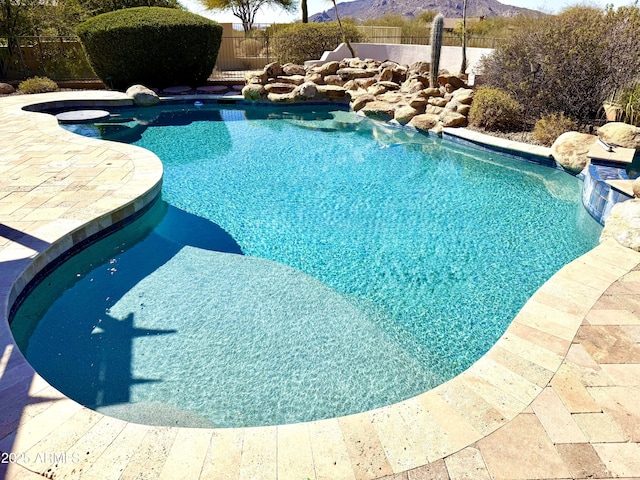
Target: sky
271,15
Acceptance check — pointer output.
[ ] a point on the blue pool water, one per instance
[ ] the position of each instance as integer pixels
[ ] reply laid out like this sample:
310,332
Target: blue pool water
300,265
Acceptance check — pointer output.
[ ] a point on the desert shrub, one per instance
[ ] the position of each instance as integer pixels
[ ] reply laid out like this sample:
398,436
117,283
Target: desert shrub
496,110
568,62
37,85
551,126
297,42
152,46
250,47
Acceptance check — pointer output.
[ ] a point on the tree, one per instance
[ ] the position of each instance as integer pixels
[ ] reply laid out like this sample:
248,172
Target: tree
305,11
344,35
463,65
246,10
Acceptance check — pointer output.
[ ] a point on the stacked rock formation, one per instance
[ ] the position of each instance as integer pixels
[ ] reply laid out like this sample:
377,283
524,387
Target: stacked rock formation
386,91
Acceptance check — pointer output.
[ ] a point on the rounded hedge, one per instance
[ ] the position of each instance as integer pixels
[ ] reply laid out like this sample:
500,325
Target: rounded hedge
154,46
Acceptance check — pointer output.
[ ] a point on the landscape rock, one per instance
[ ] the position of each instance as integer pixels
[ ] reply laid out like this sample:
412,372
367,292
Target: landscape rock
294,79
379,110
306,91
334,80
452,80
350,73
142,96
437,101
432,92
331,91
449,118
376,89
365,82
570,150
389,85
623,224
329,68
463,95
361,101
253,92
434,109
293,69
386,75
6,89
622,134
424,122
314,77
273,70
418,69
279,87
256,77
404,114
282,97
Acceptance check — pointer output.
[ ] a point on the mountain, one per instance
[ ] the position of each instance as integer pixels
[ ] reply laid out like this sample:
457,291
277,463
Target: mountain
365,9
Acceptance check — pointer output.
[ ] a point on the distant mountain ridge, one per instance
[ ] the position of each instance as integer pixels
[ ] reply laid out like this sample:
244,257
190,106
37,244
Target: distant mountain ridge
366,9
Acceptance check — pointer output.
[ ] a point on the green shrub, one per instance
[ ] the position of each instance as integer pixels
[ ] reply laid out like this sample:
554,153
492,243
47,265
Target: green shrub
297,42
551,126
494,109
629,101
153,46
37,85
568,62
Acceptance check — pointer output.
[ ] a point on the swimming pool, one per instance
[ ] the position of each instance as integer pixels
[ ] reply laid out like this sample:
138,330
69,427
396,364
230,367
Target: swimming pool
301,265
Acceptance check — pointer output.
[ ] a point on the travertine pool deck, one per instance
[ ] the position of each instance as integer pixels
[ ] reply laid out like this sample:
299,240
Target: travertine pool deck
557,397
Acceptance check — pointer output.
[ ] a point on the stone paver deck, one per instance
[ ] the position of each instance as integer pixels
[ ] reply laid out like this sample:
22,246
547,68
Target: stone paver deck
557,396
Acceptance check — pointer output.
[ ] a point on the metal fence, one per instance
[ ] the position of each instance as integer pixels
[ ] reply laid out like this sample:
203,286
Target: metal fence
62,58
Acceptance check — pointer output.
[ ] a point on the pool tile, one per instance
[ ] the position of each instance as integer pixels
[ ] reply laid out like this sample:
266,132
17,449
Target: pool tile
259,454
528,370
113,461
572,393
187,454
467,464
150,455
582,461
549,320
503,452
556,419
622,406
611,317
222,461
599,427
330,455
608,344
499,400
295,458
367,455
621,459
549,343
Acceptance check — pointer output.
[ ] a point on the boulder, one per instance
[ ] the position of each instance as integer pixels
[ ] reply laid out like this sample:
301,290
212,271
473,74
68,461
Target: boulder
449,118
379,110
306,91
365,82
350,73
389,85
419,100
463,95
455,81
293,69
376,89
404,114
391,97
293,79
351,85
334,80
433,109
432,92
361,101
424,122
418,69
142,96
623,224
279,87
463,109
399,71
314,77
386,74
273,70
622,134
253,92
331,91
282,97
6,89
329,68
413,85
570,150
437,101
256,77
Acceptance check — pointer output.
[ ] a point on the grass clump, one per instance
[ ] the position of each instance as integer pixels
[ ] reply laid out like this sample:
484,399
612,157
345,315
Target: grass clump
37,85
551,126
495,110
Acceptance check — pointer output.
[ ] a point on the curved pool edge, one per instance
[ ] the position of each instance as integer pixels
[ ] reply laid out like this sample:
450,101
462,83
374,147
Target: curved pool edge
392,439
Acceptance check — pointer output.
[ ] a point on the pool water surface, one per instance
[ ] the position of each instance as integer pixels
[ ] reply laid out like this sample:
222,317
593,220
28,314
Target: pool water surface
300,265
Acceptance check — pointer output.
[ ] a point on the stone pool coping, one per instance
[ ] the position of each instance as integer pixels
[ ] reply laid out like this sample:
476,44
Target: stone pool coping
57,189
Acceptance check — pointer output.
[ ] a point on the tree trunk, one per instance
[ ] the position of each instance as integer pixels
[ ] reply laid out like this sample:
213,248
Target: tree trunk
305,11
463,66
344,35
